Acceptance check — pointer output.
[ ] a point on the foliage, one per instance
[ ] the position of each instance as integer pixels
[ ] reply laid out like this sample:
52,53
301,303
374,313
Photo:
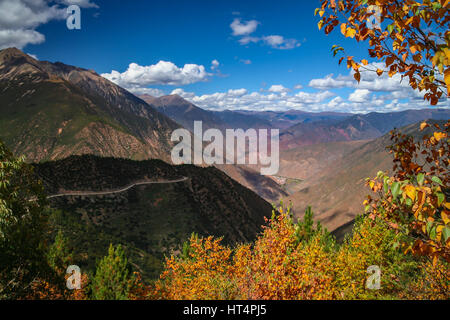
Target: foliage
22,226
59,254
113,278
415,200
411,37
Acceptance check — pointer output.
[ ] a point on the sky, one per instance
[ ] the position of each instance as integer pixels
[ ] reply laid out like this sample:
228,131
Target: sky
220,55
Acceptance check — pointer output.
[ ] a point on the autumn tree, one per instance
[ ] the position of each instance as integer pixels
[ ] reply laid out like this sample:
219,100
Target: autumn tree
415,199
412,38
22,226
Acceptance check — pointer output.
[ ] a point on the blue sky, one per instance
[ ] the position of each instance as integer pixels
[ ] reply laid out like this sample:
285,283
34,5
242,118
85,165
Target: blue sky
267,54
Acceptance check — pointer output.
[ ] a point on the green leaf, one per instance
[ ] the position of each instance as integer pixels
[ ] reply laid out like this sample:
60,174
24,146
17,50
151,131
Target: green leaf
445,233
430,225
390,28
420,178
441,198
437,180
395,188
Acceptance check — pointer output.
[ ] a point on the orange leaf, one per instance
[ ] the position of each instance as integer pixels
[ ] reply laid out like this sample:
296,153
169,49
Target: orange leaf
424,125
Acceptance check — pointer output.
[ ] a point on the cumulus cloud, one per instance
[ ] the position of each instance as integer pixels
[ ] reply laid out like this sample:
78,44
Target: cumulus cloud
20,18
162,73
243,28
374,93
242,99
246,61
359,95
278,88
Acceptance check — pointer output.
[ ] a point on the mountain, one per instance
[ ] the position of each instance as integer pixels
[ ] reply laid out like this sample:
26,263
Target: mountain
286,119
52,110
185,113
356,127
336,191
150,220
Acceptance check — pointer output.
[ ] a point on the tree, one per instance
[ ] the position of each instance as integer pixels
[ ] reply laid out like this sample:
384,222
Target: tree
415,199
22,226
411,37
59,255
113,278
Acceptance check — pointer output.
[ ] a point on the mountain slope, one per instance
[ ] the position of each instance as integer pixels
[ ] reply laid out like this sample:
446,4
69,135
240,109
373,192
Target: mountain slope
185,113
149,220
337,192
357,127
52,110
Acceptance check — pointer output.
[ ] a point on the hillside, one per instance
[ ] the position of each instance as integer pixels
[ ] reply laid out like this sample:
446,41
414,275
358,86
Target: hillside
149,220
286,119
357,127
336,192
52,110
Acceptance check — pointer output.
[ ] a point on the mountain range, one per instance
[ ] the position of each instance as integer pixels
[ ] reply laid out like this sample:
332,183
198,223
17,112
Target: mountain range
52,110
83,132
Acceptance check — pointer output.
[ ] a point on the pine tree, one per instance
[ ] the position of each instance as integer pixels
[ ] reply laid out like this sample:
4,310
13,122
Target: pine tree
59,255
113,278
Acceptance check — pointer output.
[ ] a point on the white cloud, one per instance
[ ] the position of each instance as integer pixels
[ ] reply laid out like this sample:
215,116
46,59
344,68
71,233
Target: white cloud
150,91
278,88
162,73
20,18
374,93
33,56
279,42
244,28
246,61
247,40
80,3
214,64
359,95
19,38
298,87
242,99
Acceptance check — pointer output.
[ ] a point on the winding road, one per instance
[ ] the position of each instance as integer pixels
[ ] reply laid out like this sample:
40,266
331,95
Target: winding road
100,193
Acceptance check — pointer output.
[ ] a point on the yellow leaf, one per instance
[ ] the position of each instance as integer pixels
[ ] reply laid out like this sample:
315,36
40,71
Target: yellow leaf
343,27
444,216
364,62
379,72
439,135
447,80
410,192
320,24
350,32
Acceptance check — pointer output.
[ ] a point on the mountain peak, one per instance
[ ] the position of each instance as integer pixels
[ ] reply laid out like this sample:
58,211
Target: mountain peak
12,53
